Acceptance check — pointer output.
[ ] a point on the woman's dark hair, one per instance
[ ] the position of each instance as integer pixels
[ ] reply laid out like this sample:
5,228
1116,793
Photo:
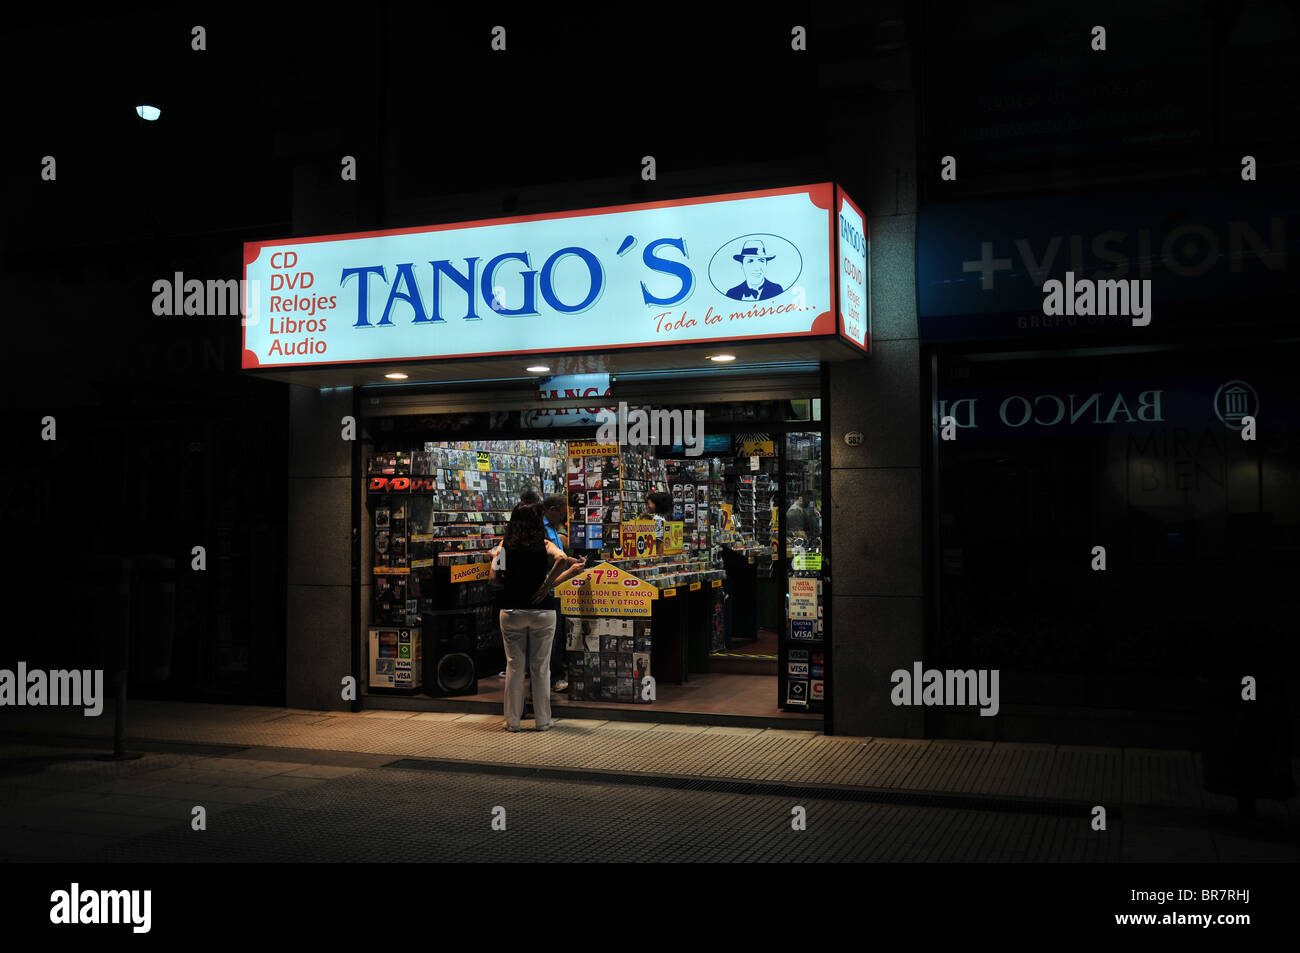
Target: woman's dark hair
663,503
525,528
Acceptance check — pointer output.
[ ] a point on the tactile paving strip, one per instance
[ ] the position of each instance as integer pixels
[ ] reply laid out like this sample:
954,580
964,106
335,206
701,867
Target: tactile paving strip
391,815
734,786
992,770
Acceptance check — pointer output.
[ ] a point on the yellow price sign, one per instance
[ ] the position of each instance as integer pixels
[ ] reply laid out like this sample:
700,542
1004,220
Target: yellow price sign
637,537
716,584
484,461
674,537
606,590
696,585
669,593
471,572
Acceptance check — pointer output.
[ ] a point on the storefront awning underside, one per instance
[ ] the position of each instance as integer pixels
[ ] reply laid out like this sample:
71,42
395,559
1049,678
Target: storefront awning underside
509,371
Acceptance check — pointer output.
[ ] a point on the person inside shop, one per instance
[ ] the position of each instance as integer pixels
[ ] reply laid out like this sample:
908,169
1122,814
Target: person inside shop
802,519
659,507
796,523
555,515
528,567
814,516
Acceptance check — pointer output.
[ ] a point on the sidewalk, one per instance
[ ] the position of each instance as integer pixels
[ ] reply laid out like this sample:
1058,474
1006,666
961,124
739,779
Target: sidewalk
1069,777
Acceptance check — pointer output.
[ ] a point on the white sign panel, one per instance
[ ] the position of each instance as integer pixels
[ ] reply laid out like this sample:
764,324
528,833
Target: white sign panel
752,265
852,265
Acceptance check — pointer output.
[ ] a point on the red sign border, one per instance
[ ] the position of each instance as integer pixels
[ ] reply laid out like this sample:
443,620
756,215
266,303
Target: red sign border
821,194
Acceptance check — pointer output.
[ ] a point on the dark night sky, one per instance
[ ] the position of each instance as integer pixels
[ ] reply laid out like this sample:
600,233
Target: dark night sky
414,92
254,127
570,100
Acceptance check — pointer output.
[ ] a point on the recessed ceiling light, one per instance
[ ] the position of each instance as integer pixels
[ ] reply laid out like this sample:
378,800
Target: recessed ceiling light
721,358
537,369
396,376
149,113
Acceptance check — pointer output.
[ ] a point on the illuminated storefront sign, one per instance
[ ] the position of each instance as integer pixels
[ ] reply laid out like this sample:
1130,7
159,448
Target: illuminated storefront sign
852,264
743,266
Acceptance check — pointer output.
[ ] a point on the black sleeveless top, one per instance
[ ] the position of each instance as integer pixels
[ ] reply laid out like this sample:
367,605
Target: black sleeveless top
526,570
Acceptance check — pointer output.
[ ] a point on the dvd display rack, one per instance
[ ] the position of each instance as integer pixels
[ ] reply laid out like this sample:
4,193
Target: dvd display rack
695,492
667,572
605,488
755,517
443,506
609,656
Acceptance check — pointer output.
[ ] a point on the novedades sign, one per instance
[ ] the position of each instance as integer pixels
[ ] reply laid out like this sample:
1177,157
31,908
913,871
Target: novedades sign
722,268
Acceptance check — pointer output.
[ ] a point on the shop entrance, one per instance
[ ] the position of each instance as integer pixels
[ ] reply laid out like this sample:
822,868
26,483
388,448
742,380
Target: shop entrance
734,633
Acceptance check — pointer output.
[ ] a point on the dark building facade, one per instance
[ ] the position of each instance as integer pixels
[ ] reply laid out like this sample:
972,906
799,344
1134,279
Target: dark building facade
975,552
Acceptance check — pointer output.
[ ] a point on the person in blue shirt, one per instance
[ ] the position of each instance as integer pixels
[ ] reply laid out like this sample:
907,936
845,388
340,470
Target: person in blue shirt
554,515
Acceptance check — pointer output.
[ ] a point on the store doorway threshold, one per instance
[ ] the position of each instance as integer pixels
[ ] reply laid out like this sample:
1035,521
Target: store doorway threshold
715,699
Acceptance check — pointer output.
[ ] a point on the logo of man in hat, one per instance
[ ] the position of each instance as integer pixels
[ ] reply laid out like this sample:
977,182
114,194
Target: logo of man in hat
753,260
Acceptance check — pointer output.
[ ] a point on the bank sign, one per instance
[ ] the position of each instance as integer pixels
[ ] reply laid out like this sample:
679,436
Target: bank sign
1064,409
736,267
981,268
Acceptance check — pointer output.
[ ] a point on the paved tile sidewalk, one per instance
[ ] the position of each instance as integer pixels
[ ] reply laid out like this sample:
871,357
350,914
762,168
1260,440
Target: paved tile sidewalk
131,812
1108,776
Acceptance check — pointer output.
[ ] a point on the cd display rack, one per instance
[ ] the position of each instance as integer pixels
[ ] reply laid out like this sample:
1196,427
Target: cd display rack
444,507
695,492
606,488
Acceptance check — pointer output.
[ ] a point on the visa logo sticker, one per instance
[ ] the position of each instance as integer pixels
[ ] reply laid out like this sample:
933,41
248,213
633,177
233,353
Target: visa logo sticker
802,630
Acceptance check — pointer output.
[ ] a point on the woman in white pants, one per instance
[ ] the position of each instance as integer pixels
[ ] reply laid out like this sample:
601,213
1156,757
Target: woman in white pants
526,569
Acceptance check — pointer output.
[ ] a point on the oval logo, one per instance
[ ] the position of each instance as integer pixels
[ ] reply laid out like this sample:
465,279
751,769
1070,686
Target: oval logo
755,267
1234,400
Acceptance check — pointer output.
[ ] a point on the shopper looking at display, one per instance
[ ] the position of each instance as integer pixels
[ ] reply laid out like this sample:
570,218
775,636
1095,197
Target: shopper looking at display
527,497
659,507
528,567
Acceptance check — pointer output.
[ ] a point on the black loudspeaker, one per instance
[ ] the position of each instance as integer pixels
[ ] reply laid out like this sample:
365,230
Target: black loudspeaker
491,655
450,652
